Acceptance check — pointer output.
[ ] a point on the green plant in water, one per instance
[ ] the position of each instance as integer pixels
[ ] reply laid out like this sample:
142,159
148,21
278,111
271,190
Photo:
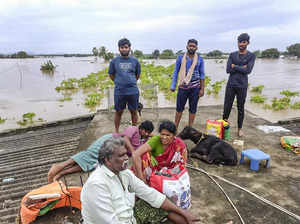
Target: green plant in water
258,99
2,120
296,106
207,80
48,66
27,119
216,87
66,98
257,89
288,93
267,107
93,99
281,103
149,93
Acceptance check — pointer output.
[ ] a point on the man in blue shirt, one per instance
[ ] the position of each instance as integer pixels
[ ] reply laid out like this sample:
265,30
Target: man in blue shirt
239,65
189,69
124,71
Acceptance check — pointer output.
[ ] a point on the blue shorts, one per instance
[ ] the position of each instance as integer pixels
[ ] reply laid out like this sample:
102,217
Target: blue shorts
122,100
183,94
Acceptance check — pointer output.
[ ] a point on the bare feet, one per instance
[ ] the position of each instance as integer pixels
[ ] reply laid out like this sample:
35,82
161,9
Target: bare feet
240,132
55,168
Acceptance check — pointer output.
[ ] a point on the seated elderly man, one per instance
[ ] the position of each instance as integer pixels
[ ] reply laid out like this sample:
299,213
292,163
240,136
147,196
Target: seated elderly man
88,159
108,196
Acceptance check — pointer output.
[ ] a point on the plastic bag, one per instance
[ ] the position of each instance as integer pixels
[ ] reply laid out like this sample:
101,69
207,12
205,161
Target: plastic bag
175,184
291,143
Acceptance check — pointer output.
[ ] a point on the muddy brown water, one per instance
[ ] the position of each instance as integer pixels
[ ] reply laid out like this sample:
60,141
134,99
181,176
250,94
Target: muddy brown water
24,88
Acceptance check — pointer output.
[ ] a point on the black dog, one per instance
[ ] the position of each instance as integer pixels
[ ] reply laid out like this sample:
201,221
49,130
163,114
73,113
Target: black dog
140,108
209,148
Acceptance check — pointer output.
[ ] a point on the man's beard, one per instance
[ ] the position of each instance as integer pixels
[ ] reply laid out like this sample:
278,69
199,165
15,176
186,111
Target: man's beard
124,54
242,48
192,52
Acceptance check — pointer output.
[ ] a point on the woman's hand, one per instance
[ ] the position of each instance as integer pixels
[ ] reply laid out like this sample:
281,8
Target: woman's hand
137,161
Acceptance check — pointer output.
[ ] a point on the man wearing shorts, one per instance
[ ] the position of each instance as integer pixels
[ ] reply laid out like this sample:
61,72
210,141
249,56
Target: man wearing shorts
189,69
124,71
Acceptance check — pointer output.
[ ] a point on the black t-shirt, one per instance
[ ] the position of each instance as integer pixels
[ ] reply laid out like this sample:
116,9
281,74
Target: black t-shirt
239,75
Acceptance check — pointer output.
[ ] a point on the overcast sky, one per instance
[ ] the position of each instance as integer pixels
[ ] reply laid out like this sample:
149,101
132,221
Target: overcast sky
76,26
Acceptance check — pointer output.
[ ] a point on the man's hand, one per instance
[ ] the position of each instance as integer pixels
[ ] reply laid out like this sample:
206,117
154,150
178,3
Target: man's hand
232,65
190,218
172,90
201,92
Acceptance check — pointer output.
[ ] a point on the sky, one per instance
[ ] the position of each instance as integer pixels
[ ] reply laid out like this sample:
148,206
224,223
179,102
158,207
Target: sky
76,26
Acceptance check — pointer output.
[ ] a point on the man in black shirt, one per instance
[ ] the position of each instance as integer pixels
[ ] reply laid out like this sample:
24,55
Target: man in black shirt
239,65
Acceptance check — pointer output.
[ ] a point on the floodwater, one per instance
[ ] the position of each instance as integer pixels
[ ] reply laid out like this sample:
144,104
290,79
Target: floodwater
24,88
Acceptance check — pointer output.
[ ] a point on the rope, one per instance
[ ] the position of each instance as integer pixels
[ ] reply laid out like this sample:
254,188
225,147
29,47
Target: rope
227,197
249,192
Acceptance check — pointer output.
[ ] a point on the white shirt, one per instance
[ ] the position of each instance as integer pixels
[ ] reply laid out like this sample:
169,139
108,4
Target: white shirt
104,200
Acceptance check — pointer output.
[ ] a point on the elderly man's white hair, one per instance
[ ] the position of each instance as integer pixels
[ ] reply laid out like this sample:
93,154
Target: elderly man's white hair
108,147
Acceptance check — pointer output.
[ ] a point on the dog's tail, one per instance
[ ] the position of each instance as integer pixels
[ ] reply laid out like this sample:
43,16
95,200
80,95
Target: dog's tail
140,108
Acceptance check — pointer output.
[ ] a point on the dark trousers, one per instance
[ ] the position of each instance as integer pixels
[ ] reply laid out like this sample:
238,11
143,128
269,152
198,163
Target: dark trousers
241,94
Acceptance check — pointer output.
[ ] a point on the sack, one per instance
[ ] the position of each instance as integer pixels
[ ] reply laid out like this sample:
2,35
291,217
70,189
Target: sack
215,127
175,184
291,143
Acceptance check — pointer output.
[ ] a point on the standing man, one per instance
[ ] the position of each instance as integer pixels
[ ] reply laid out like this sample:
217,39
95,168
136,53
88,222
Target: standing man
190,68
124,71
108,196
239,65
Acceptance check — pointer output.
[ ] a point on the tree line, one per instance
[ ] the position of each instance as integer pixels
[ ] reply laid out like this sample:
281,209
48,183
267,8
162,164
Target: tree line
292,50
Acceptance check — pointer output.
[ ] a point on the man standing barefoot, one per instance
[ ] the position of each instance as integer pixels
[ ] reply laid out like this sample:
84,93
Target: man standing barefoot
189,69
239,65
124,71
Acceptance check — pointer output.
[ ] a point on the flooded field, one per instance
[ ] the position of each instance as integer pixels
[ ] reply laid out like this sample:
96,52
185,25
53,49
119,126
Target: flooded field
24,88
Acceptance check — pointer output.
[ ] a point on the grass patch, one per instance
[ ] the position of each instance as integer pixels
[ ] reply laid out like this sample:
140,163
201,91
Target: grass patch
268,107
281,103
93,100
215,87
288,93
257,89
48,66
2,120
296,106
258,99
67,98
27,119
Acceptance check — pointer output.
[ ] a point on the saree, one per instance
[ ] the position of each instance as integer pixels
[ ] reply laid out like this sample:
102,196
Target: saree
175,154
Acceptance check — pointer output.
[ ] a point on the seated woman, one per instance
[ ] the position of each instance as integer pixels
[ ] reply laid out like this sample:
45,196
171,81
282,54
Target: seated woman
88,159
164,150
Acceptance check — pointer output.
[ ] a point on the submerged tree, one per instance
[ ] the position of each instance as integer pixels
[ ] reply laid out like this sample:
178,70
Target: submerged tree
155,54
48,66
102,51
108,56
95,52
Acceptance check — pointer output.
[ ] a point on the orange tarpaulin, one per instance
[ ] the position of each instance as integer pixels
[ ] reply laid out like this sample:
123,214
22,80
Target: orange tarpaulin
55,193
